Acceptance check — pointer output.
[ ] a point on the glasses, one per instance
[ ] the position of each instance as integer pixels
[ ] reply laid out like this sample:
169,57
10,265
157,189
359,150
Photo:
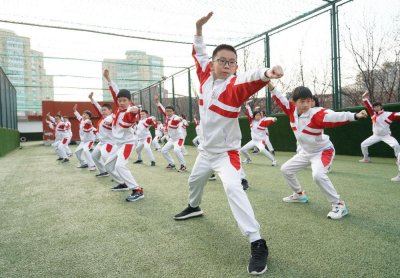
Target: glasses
223,62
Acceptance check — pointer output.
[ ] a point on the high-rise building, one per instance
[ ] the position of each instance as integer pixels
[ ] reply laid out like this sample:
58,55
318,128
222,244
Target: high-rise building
24,68
137,71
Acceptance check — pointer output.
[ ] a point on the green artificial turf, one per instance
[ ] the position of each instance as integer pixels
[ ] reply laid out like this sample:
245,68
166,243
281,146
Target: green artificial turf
60,221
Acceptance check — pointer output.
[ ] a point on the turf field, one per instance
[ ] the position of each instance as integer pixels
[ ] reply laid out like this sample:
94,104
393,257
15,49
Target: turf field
60,221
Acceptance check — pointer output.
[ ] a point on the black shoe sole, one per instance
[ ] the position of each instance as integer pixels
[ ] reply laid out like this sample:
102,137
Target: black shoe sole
190,215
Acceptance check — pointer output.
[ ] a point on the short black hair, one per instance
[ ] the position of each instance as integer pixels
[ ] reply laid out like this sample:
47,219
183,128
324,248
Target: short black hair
88,112
58,116
221,47
124,93
170,107
145,111
107,105
316,101
301,92
377,104
255,113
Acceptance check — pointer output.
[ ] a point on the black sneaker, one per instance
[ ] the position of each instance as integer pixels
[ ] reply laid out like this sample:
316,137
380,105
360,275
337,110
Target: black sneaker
212,178
153,163
245,184
105,174
139,161
137,194
182,169
258,259
82,166
65,160
170,166
59,159
120,187
189,212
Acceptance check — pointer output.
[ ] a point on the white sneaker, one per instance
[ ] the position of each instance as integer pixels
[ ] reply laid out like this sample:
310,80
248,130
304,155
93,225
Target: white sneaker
246,161
274,163
396,178
338,211
92,168
365,160
296,198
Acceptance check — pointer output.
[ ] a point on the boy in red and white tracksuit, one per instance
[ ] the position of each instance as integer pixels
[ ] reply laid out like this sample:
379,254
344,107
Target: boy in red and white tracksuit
123,119
87,136
258,125
175,140
158,134
144,137
381,121
221,96
316,149
61,134
103,149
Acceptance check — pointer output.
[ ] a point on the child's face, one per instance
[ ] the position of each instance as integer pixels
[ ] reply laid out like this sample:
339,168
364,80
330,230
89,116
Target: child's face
224,64
169,112
377,108
257,117
57,119
143,115
105,111
303,105
123,102
85,116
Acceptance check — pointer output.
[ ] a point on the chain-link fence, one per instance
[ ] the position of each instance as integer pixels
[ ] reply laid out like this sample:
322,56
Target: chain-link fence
8,103
326,49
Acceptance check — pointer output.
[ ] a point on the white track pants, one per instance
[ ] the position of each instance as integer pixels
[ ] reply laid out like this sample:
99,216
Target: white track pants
100,155
260,145
269,145
116,165
62,148
177,146
320,163
227,166
390,140
156,143
83,154
144,143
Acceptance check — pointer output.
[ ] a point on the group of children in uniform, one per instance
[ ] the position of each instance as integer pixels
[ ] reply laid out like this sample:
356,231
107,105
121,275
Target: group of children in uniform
222,93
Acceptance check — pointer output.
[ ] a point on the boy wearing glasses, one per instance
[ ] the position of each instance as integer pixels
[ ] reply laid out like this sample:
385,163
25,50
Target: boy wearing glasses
220,99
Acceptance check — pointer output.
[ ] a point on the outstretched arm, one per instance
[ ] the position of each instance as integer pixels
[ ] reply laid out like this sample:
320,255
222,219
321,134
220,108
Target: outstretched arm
112,86
287,106
249,113
96,105
76,113
367,103
327,118
248,83
161,108
199,49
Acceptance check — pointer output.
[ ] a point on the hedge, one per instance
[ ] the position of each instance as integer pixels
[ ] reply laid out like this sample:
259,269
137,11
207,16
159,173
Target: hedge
9,140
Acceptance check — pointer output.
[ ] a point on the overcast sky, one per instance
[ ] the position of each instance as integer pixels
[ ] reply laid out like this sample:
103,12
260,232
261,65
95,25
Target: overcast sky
233,22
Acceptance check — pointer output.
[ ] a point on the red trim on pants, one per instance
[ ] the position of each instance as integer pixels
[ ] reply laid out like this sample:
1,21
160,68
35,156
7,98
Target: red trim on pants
148,140
109,147
90,144
180,142
127,150
64,141
327,156
234,159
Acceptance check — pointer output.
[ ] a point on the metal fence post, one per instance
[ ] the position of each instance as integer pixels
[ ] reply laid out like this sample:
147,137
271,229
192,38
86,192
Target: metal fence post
268,100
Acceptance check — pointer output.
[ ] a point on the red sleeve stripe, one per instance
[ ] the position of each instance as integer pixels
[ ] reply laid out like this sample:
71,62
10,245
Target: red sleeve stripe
223,112
311,133
124,126
107,127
